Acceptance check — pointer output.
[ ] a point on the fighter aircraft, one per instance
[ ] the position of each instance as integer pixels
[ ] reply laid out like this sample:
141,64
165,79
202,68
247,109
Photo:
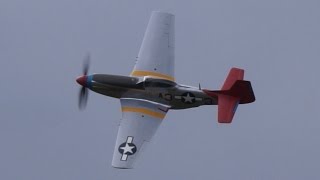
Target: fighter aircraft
151,91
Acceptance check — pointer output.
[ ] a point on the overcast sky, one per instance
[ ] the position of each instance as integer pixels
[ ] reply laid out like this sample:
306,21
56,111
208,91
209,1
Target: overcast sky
44,136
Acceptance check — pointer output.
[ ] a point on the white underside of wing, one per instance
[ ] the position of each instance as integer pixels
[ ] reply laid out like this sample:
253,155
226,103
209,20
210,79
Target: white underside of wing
140,120
156,55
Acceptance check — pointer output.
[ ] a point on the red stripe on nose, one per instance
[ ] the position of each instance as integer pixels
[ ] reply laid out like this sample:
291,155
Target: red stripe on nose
82,80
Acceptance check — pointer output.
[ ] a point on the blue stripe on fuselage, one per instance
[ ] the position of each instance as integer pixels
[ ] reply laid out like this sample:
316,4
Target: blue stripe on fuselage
89,81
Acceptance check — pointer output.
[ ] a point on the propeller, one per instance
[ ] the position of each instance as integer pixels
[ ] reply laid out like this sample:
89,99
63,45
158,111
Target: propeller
86,64
83,93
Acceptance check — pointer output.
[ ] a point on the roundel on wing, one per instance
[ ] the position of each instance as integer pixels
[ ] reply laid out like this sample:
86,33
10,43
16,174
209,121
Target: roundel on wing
127,148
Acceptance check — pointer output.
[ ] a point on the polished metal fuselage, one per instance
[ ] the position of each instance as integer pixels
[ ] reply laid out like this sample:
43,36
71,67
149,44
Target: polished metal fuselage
157,90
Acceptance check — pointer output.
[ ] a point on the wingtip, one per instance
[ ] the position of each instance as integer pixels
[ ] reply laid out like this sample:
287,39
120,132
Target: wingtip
163,12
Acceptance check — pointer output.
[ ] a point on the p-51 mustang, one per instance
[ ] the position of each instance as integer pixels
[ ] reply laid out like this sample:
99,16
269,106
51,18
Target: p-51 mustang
151,91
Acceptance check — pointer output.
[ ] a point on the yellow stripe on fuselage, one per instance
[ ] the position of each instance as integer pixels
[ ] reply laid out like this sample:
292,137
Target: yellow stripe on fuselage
153,74
144,111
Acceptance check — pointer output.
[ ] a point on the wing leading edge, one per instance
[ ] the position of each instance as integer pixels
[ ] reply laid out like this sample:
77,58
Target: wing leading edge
140,120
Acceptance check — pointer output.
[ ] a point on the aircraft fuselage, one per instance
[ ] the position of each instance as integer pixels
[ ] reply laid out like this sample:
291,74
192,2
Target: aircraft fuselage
158,90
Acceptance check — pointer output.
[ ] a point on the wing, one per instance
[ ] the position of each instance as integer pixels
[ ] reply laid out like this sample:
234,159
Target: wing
156,55
140,120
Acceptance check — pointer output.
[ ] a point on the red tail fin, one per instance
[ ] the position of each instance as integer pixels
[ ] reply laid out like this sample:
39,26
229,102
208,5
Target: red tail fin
227,106
233,92
234,75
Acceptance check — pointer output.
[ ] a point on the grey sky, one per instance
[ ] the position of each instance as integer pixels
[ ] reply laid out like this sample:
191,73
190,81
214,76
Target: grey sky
44,136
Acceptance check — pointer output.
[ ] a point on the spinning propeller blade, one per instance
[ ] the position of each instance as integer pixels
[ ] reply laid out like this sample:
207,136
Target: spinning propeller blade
83,98
83,93
86,64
